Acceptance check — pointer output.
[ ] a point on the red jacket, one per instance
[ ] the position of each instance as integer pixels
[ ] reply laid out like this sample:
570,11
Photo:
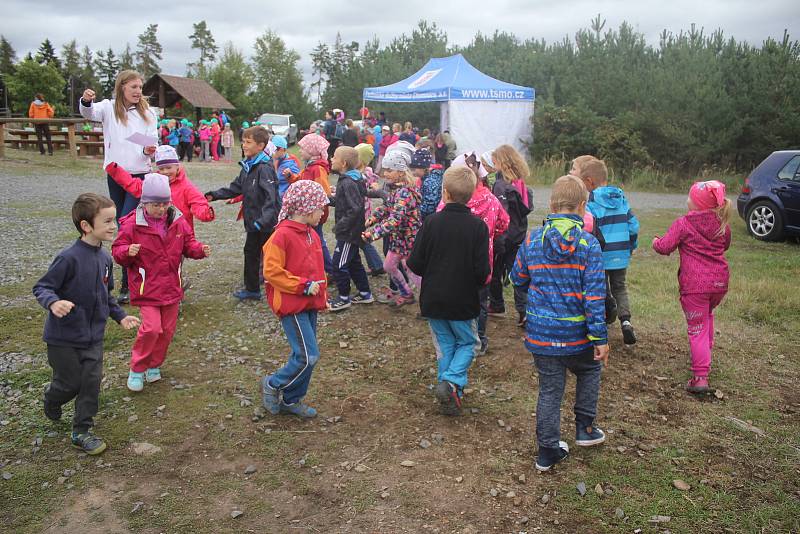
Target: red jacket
185,196
293,259
154,274
318,171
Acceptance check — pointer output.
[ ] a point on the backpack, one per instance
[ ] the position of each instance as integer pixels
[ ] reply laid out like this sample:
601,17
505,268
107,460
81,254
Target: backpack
339,132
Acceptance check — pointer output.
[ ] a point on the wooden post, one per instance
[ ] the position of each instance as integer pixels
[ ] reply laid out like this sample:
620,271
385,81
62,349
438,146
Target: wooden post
73,148
2,140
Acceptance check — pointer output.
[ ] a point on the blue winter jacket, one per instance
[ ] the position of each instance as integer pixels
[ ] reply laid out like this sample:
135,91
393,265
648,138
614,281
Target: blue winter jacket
431,192
561,265
617,223
185,134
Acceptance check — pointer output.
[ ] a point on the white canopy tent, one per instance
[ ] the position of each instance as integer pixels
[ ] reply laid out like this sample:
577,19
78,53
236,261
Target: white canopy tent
480,112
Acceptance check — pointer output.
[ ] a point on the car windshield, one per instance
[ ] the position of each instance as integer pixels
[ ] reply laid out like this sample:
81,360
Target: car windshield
277,120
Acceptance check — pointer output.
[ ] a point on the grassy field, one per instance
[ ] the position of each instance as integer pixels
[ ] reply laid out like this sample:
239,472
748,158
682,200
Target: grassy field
342,472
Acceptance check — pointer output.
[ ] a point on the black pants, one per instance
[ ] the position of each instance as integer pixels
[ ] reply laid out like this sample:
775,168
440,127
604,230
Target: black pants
125,203
76,375
185,150
44,130
347,265
252,259
503,263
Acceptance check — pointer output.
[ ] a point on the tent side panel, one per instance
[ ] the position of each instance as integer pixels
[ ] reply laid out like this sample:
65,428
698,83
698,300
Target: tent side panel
485,125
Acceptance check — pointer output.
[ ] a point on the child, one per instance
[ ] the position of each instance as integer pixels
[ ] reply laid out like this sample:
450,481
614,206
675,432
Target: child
701,236
295,280
429,181
151,243
349,204
372,181
215,135
185,135
185,196
204,133
76,290
517,199
561,268
286,166
314,151
227,142
614,219
451,254
258,186
397,219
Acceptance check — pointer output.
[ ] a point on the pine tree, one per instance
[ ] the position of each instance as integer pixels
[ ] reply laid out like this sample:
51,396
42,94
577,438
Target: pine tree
203,41
87,75
70,60
126,61
107,66
47,54
320,69
7,56
232,76
148,51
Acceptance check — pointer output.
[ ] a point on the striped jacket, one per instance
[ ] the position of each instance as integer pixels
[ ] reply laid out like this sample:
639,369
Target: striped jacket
615,220
562,267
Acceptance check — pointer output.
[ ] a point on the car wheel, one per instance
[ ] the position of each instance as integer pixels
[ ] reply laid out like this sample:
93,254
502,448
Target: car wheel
764,221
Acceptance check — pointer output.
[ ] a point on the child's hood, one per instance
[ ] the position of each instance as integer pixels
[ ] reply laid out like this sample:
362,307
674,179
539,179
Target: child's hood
704,223
561,236
609,196
137,215
320,163
353,174
481,200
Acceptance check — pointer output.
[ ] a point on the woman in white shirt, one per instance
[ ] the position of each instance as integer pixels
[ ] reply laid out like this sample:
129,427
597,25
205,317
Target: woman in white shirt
126,114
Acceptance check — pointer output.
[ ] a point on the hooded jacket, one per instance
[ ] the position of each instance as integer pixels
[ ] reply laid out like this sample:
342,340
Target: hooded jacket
290,162
292,260
398,219
561,265
318,171
615,220
349,204
431,191
154,275
703,267
40,110
185,196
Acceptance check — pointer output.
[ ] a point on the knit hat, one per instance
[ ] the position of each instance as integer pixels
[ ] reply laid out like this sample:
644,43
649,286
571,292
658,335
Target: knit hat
155,188
315,145
166,155
365,153
245,124
302,197
707,195
421,159
214,121
398,156
279,141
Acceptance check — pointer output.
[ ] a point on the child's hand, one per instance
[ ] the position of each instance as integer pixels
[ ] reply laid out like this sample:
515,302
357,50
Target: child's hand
375,186
313,288
366,236
129,322
133,250
88,95
61,308
286,172
333,190
150,150
207,250
601,354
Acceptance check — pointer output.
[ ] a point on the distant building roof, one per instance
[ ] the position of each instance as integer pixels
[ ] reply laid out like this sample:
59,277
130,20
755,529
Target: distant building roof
165,90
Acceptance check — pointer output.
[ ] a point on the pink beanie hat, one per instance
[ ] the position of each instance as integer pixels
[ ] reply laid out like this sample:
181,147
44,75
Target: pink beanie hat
156,188
707,195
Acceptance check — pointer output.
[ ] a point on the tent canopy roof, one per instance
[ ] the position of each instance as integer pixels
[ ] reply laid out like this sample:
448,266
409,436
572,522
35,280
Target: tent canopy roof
448,78
167,90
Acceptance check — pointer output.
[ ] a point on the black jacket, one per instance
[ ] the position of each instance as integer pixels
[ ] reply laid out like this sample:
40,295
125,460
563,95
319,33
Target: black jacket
451,254
517,211
350,137
83,275
349,204
261,203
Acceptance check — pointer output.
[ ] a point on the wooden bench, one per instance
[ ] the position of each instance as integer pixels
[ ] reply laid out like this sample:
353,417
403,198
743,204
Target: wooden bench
72,134
92,148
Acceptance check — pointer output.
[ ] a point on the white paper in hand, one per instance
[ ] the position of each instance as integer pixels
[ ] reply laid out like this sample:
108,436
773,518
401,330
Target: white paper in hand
141,139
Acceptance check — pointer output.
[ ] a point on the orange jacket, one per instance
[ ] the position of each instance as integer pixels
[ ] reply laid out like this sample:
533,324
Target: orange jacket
41,111
292,260
318,171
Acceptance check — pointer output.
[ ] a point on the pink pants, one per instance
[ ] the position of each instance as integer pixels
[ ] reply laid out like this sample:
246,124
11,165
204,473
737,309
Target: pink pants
214,148
154,336
699,311
392,266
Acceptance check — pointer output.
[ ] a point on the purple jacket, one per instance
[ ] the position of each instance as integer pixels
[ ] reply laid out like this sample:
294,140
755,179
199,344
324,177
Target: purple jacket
703,267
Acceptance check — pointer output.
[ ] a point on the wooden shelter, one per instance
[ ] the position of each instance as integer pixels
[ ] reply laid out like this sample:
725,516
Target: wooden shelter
165,91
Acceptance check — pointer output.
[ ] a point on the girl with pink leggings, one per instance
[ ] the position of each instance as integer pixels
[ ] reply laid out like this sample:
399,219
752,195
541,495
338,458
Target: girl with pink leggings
701,236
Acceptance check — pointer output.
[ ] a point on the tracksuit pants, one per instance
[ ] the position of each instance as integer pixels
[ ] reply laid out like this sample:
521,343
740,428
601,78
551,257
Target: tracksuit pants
347,265
455,343
154,336
293,378
699,311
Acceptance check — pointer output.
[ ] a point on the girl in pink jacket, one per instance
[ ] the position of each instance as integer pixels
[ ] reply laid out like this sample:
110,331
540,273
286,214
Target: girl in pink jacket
152,241
701,236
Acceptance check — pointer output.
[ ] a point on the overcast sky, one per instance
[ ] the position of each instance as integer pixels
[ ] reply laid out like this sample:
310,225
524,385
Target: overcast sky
304,23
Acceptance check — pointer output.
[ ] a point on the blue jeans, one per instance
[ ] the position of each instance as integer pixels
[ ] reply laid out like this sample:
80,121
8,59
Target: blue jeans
125,203
326,254
374,261
294,377
346,265
552,377
455,343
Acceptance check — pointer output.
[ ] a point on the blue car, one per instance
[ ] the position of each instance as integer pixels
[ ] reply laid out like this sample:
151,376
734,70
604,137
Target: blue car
770,198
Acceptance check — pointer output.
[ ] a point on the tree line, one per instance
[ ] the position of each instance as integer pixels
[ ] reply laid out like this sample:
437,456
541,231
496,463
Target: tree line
693,100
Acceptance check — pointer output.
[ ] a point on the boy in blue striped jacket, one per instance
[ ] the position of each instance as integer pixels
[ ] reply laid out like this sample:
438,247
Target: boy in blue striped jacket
561,265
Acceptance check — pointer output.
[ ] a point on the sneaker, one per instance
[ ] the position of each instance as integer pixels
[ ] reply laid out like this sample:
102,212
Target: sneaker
339,304
628,335
51,410
135,381
401,300
484,348
587,436
299,409
449,400
363,298
386,295
698,384
270,397
496,311
244,294
88,443
549,457
377,272
152,375
522,319
124,297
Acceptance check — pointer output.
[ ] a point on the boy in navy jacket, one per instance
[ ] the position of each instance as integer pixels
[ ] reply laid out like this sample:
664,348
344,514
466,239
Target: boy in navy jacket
76,290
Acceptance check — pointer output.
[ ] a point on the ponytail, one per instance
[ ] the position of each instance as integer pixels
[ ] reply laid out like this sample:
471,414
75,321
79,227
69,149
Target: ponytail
724,214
